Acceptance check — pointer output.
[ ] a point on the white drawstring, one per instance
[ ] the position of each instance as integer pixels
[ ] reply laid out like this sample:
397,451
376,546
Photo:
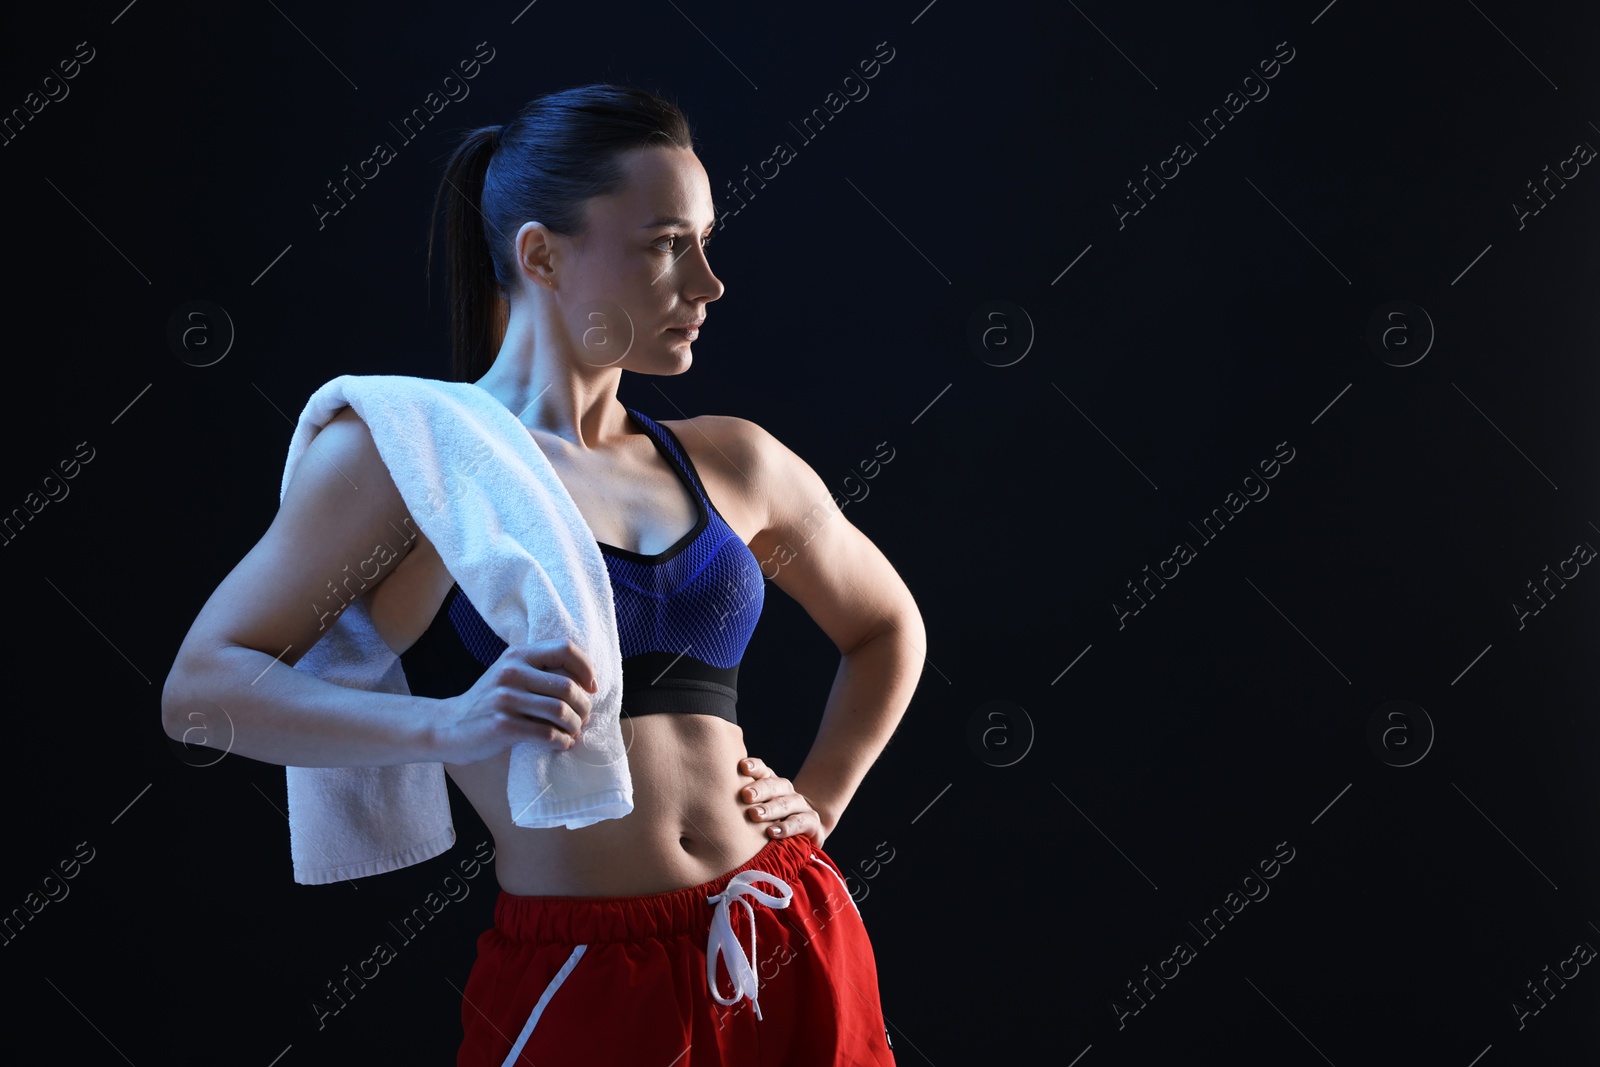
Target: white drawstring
724,943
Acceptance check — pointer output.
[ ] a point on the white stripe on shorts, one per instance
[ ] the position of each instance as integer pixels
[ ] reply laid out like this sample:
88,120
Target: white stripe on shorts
818,859
538,1009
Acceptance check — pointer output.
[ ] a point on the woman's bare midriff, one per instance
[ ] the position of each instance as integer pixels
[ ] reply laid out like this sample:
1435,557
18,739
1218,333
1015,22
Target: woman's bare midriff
688,824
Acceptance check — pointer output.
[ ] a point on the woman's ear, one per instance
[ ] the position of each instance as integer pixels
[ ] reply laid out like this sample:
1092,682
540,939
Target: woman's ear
535,259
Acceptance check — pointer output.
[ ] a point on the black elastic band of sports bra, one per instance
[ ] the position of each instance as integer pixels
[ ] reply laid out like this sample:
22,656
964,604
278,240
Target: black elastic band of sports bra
656,683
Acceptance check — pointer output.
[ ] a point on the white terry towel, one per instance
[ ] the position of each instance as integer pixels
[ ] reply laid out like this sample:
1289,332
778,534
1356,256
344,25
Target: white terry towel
480,489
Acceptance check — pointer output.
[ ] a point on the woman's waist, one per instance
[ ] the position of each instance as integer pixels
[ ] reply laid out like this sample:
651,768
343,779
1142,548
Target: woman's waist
665,843
688,824
774,875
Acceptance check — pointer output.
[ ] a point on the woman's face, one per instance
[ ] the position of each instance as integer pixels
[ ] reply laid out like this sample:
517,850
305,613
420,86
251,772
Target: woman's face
627,286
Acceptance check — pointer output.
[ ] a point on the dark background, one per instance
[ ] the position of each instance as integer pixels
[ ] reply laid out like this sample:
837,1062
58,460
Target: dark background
1046,849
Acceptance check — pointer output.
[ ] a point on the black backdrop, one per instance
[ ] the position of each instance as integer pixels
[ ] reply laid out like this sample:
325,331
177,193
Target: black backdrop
1343,279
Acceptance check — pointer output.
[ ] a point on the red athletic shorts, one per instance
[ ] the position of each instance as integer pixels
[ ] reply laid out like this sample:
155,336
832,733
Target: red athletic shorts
768,964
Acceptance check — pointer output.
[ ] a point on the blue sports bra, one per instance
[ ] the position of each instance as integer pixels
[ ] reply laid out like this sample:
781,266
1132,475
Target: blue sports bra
684,615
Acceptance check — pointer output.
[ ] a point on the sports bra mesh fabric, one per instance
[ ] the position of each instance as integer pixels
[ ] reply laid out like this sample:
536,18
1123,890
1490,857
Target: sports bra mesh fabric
684,615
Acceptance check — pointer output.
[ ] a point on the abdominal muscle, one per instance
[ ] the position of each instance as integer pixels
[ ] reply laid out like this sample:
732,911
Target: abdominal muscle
688,823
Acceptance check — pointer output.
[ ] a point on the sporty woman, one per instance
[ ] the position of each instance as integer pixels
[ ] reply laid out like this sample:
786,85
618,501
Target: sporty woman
707,926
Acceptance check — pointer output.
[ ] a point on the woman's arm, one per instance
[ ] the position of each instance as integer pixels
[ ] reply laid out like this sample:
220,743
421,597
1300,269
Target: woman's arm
814,554
237,658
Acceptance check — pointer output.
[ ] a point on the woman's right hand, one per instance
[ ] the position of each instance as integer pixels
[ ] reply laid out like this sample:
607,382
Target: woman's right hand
540,693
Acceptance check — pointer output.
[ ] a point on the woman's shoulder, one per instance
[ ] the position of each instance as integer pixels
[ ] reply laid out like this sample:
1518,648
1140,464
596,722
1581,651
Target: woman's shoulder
743,455
728,427
728,439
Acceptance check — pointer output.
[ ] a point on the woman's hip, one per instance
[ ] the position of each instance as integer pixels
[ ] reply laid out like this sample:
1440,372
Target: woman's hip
772,954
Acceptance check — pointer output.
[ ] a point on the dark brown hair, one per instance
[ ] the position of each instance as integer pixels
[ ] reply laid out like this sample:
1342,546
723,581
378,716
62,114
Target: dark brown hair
560,150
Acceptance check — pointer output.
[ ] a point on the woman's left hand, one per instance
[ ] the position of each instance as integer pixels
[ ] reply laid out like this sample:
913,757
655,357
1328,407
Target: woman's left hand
772,800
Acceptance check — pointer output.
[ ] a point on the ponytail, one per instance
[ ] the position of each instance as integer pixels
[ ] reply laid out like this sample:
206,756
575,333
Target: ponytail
562,150
474,292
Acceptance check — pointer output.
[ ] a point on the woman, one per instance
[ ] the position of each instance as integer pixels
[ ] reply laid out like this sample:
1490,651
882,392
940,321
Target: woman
576,250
